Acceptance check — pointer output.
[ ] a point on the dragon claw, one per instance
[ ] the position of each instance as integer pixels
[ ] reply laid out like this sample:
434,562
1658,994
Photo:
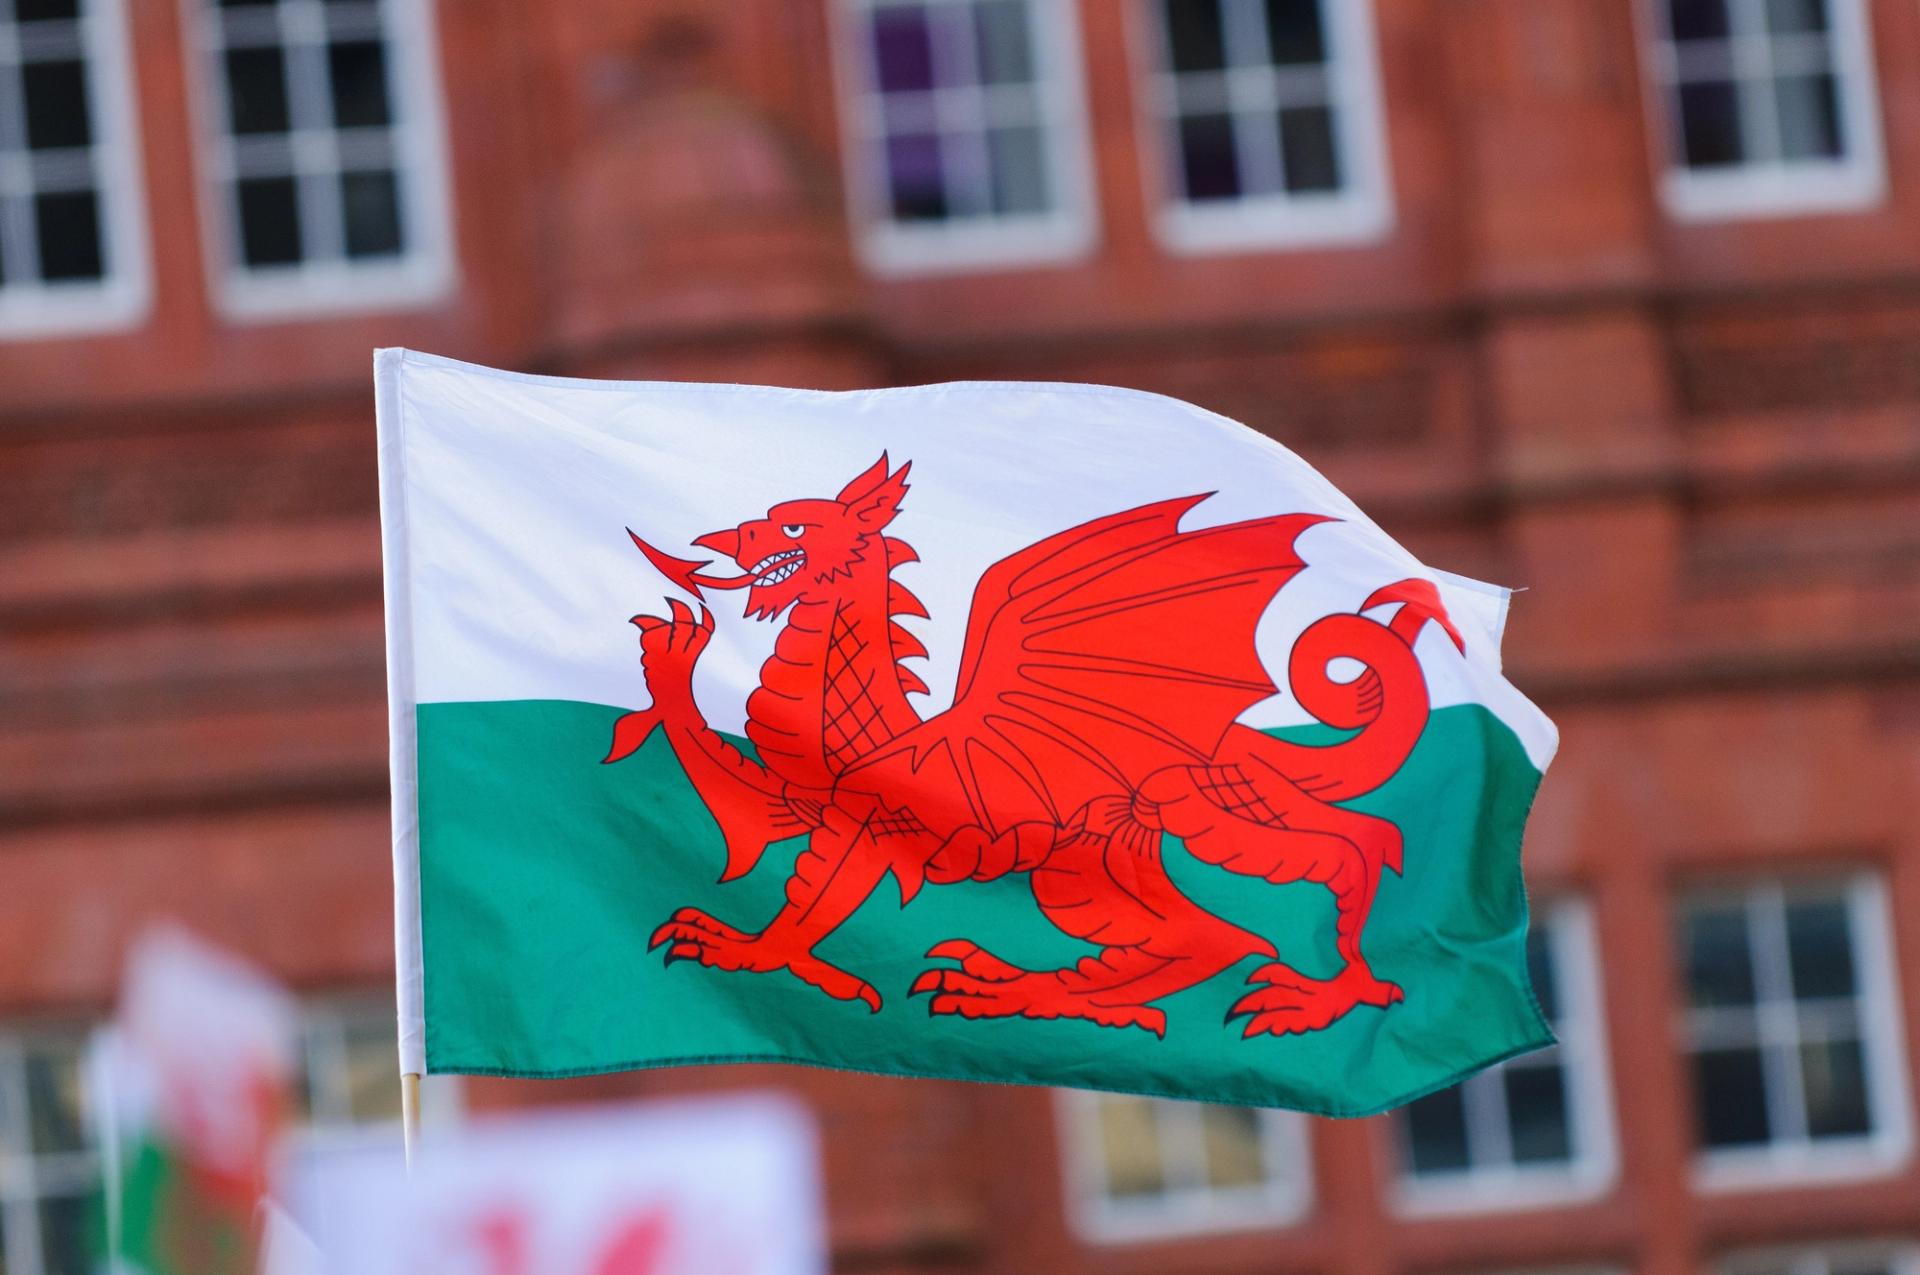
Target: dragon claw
695,936
974,960
995,989
1284,1002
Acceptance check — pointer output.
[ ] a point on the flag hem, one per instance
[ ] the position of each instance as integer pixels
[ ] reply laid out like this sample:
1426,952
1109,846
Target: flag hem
1543,1041
403,741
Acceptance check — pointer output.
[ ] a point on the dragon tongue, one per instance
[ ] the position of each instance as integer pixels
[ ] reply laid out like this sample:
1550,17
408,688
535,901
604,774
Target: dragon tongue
685,572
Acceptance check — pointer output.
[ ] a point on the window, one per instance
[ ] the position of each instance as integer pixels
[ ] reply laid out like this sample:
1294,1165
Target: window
1769,106
1843,1259
49,1158
1271,118
70,250
1140,1168
324,159
965,138
1533,1130
48,1164
1791,1030
350,1070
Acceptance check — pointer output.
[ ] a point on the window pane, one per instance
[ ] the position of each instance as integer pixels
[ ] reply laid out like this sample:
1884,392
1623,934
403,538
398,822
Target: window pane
45,10
302,1100
902,49
1809,107
1784,16
1537,1114
56,95
1710,124
69,234
1541,972
1307,150
358,73
914,177
269,221
1437,1132
1820,947
1294,32
1209,168
370,212
1005,52
1019,170
1130,1146
1833,1074
372,1083
66,1235
1697,19
256,91
1719,963
1233,1146
55,1098
1194,35
1731,1096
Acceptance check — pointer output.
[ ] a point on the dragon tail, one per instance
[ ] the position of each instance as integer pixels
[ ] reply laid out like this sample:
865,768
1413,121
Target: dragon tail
1387,703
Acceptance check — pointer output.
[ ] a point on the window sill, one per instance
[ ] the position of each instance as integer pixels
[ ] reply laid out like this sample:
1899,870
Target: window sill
1275,225
1769,1169
1774,193
1517,1191
901,250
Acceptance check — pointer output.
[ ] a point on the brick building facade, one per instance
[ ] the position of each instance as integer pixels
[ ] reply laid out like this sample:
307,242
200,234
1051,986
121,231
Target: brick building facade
1612,299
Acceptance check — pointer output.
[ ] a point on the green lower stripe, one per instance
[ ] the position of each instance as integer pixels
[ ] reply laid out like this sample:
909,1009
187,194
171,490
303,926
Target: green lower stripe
543,874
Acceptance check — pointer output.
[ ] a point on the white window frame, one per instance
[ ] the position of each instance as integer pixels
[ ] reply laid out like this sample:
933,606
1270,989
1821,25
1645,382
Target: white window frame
887,247
324,1023
1771,188
23,1182
422,274
1359,213
121,296
1901,1258
1798,1161
1181,1211
1594,1166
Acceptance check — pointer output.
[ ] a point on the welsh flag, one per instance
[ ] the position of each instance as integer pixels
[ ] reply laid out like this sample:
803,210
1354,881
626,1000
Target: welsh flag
193,1079
1044,733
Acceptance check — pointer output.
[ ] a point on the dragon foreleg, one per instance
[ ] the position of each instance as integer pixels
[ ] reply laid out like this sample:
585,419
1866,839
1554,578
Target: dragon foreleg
833,876
747,801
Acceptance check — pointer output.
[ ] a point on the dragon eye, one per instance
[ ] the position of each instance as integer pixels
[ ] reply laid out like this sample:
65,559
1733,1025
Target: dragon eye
793,530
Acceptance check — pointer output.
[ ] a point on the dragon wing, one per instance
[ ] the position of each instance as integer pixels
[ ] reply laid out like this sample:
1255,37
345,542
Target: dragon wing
1097,657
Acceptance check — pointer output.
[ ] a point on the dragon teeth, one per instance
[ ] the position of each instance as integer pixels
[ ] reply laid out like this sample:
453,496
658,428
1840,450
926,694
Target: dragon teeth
782,566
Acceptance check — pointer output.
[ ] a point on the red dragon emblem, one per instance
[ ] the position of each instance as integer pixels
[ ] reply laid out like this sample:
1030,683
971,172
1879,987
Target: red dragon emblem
1096,711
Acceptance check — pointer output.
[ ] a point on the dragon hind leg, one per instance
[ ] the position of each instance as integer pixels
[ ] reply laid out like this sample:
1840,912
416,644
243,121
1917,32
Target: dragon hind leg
1109,888
1274,831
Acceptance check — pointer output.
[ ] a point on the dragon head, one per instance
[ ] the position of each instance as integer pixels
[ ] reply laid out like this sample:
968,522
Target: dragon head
800,549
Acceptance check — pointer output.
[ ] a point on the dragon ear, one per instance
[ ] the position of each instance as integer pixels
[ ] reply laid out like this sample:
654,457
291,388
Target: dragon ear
875,474
874,498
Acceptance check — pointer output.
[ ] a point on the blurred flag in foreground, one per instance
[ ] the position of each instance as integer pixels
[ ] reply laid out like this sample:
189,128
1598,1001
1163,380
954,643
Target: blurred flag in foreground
193,1079
727,1185
1029,732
